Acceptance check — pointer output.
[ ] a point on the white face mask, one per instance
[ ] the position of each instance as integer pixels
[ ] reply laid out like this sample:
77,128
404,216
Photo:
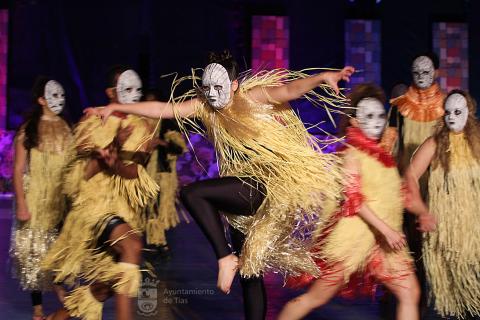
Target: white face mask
129,87
371,117
55,96
216,85
423,72
456,112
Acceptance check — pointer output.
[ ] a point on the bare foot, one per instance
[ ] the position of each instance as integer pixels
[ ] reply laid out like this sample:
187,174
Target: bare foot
227,268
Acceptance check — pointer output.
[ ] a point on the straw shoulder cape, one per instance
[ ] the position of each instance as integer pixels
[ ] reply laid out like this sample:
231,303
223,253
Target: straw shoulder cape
451,253
269,144
42,184
75,254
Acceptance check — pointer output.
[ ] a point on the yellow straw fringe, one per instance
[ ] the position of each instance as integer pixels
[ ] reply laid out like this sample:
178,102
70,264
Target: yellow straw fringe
413,135
129,281
94,202
82,304
451,253
161,214
270,144
155,232
352,241
138,191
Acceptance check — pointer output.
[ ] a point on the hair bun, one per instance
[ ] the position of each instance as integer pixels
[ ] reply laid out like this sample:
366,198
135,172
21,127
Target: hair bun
226,59
219,57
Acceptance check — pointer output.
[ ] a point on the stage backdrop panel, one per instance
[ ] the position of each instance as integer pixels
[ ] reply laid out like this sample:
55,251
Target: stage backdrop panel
3,66
450,43
363,50
270,42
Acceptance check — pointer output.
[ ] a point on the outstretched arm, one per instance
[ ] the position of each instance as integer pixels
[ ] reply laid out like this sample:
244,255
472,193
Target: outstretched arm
295,89
420,162
150,109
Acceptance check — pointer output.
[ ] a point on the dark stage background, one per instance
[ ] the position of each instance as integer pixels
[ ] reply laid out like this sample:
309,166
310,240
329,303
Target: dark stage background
76,41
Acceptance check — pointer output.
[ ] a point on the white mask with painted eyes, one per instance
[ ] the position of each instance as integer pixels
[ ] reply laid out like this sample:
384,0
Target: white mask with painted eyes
129,87
423,72
216,86
456,112
55,96
371,117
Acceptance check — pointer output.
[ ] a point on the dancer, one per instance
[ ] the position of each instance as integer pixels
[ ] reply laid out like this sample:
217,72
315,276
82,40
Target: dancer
41,148
162,214
272,171
414,115
100,240
416,112
364,237
451,252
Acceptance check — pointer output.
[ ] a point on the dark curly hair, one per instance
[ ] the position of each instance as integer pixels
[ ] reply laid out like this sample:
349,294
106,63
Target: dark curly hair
33,118
225,59
113,73
30,125
359,92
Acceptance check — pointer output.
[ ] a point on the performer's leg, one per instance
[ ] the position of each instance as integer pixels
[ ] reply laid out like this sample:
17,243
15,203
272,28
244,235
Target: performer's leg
407,292
204,200
60,314
128,245
36,296
254,293
100,291
321,291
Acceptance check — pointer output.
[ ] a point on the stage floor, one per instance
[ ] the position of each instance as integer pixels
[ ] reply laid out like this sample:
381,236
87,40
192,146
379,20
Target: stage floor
185,289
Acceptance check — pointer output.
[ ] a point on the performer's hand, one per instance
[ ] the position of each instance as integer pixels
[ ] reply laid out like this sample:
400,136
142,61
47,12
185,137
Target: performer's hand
395,239
427,222
331,78
103,113
22,213
91,111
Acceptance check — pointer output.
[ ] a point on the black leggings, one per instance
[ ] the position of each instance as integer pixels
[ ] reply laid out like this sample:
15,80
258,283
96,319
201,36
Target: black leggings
36,297
254,294
204,200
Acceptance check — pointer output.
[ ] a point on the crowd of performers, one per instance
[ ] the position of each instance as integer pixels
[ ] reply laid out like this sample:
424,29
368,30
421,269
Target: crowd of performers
85,197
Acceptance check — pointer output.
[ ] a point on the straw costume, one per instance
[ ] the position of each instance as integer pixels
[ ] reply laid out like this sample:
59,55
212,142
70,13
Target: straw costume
80,252
42,185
